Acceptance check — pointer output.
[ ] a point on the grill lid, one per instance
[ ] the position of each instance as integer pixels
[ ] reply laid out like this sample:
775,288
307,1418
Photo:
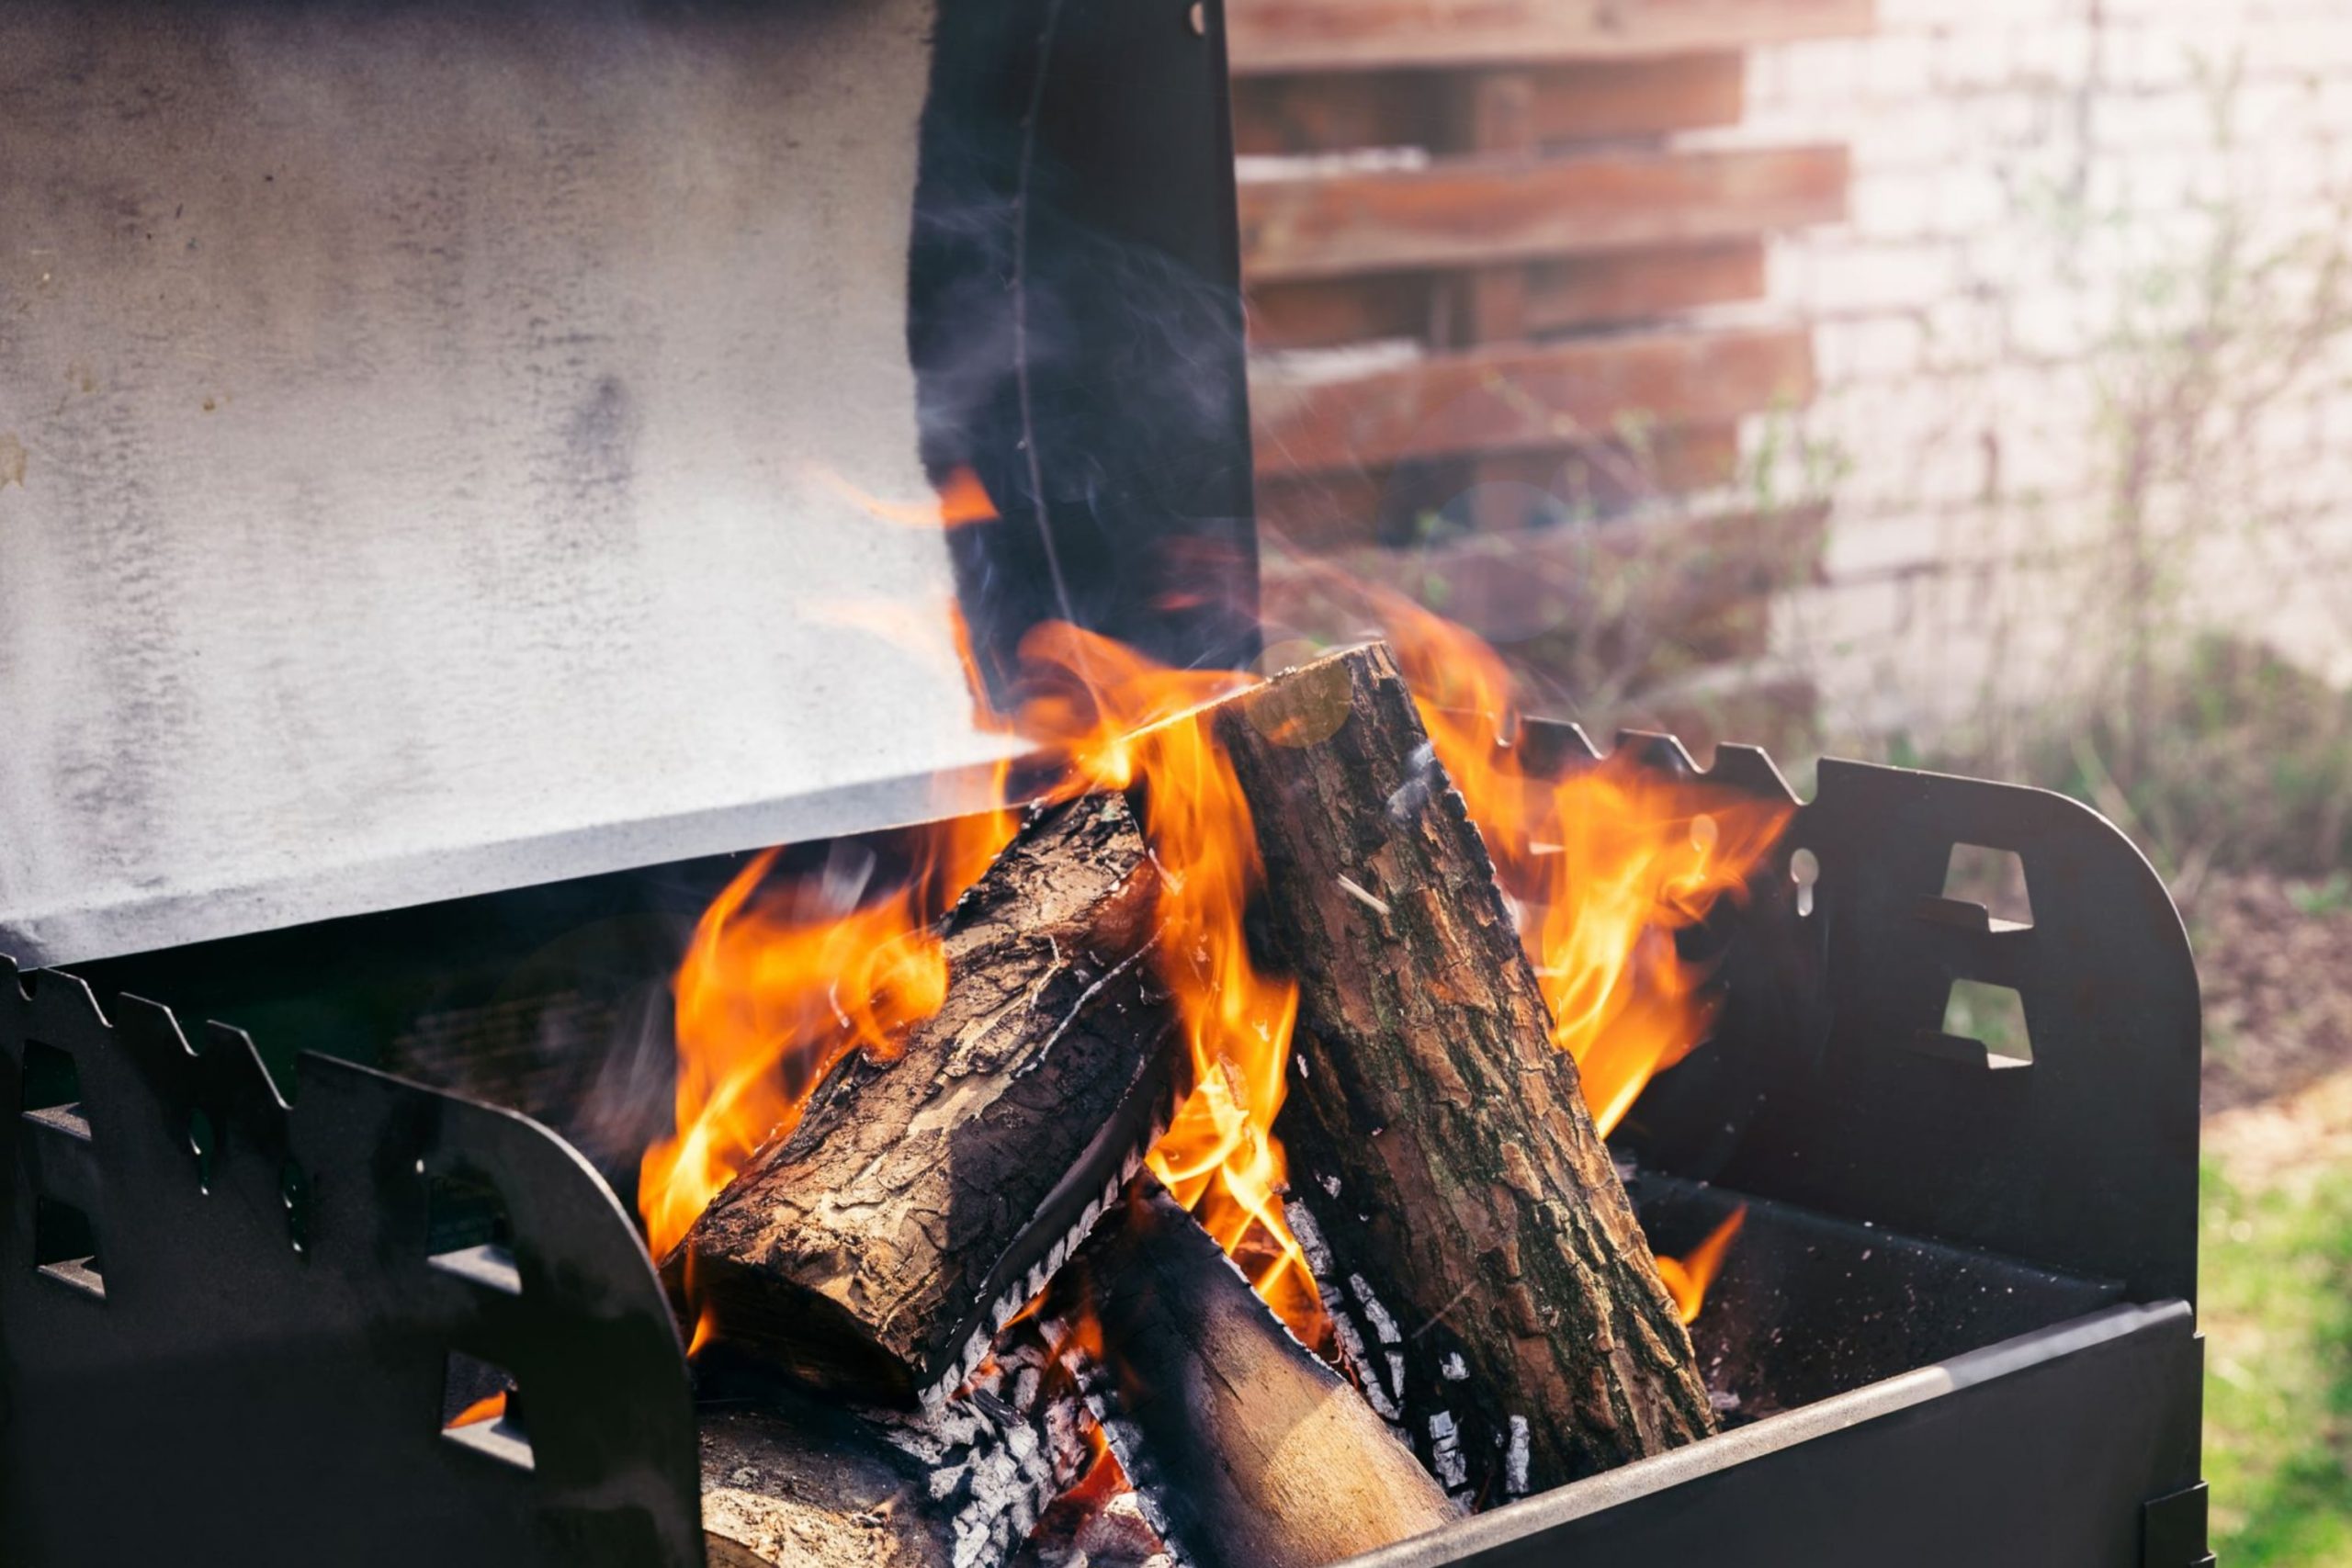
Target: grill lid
442,429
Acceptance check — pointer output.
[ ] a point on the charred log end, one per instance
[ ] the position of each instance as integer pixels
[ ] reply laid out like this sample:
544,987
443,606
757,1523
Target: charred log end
786,1328
1251,1451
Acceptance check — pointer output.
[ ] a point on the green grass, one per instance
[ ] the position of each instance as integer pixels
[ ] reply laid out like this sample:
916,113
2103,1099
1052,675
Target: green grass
2277,1311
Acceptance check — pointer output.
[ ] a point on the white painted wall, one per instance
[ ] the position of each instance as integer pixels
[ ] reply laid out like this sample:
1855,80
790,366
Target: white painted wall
2020,168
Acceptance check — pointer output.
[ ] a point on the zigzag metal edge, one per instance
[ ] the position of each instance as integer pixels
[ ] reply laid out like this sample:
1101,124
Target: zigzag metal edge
157,1067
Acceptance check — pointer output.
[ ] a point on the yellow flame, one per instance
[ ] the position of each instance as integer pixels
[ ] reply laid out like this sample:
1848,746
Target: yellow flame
1605,864
1123,721
1688,1276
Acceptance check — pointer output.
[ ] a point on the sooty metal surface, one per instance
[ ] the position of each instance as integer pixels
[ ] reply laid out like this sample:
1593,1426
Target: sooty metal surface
485,402
230,1329
1808,1306
2067,1448
1831,1083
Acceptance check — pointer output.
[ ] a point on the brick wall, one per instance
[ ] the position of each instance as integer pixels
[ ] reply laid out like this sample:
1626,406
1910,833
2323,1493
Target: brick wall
2021,287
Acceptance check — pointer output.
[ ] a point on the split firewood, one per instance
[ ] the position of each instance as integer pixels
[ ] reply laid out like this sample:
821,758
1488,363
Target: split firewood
922,1201
1244,1449
960,1484
1489,1272
814,1488
1496,1293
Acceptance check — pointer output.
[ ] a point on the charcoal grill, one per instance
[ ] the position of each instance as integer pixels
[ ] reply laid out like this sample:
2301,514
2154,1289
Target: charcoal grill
1959,1327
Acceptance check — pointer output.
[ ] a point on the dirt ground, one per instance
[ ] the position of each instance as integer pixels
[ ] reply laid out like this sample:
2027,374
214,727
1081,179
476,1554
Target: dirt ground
2275,959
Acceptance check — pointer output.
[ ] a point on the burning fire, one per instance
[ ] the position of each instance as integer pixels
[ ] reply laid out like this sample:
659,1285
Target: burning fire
1687,1278
782,981
1605,864
1123,721
780,984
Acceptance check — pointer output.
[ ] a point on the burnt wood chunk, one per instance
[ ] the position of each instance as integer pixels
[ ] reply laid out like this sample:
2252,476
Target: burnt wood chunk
1245,1451
812,1488
966,1482
1490,1269
875,1250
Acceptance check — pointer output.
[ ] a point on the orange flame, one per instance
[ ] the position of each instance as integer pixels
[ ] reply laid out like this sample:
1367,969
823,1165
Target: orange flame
962,499
490,1407
1687,1278
778,984
705,1326
1121,719
1605,864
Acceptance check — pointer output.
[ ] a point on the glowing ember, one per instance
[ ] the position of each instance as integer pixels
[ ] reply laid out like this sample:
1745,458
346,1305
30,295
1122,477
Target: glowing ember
1687,1278
490,1407
1606,864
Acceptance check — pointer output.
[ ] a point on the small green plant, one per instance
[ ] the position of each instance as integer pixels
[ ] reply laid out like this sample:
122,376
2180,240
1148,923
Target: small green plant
2317,900
2252,766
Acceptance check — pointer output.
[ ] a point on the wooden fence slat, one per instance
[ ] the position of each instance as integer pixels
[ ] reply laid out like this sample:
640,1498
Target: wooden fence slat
1609,289
1671,573
1521,396
1583,102
1326,313
1479,211
1358,507
1626,285
1596,100
1275,115
1357,34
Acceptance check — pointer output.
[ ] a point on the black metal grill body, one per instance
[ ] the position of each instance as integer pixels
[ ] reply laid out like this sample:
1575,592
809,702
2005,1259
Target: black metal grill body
1955,1329
229,1325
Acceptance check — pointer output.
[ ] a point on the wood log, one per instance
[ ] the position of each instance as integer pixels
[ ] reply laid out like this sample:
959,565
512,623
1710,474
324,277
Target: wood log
920,1202
814,1488
1245,1450
1436,1137
1586,101
965,1481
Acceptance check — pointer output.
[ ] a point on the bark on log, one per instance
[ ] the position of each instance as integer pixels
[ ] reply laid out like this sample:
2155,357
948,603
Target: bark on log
875,1250
1433,1130
1245,1450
